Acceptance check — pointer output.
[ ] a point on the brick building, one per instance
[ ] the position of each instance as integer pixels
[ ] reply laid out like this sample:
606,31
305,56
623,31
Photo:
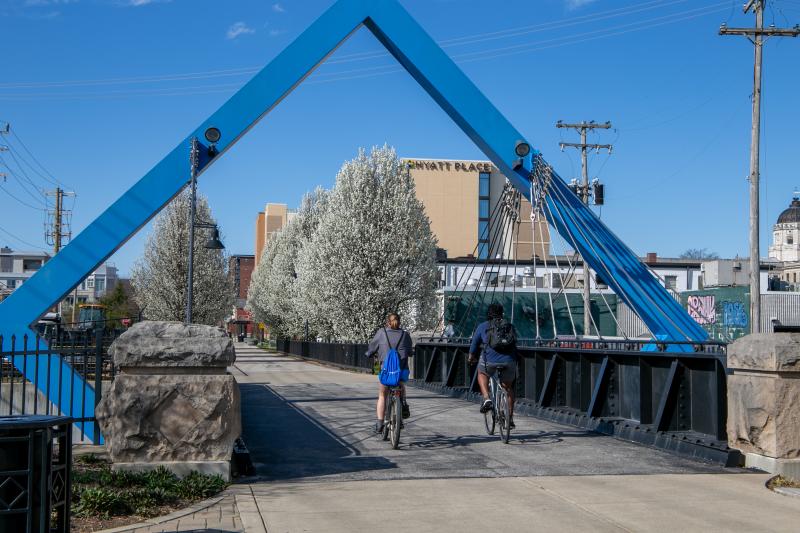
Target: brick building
241,270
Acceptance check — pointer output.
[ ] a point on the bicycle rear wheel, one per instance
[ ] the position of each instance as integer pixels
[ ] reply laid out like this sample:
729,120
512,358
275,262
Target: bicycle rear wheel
397,417
387,418
489,417
505,416
490,420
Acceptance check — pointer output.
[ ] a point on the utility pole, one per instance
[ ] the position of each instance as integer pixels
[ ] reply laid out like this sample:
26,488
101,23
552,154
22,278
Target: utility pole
757,36
58,229
583,191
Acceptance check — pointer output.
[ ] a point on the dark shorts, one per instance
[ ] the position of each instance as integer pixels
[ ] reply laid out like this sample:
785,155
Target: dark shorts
508,370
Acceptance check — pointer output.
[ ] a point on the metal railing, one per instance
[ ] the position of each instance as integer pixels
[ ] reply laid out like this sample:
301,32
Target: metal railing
347,355
650,394
52,365
668,395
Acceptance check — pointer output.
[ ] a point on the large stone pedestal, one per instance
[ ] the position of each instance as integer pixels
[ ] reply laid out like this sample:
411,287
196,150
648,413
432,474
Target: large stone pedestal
764,401
172,402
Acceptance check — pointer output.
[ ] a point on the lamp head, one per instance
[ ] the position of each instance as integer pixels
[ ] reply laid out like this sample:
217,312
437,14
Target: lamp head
214,243
522,149
213,135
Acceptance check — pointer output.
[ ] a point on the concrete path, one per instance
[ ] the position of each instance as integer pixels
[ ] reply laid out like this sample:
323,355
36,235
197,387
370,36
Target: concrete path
321,469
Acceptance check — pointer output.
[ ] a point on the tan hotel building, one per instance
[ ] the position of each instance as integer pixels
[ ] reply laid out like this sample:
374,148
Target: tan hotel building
459,196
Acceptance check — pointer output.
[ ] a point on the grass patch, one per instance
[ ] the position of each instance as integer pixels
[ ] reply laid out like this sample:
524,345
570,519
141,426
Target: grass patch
780,481
102,497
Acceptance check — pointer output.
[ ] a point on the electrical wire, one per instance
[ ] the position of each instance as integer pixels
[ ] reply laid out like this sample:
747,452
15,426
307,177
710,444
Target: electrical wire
458,58
456,41
48,176
21,240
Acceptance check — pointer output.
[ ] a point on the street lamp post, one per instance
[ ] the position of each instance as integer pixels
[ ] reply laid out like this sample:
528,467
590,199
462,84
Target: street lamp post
213,244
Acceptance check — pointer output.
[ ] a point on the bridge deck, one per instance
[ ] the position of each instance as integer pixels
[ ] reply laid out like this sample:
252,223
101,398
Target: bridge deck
321,469
303,421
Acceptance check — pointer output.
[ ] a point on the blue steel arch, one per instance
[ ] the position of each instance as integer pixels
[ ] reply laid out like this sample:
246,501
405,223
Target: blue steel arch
438,75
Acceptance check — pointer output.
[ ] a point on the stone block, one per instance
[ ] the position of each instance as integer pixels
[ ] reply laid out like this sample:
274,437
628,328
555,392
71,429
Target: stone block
170,417
777,352
180,468
173,344
764,394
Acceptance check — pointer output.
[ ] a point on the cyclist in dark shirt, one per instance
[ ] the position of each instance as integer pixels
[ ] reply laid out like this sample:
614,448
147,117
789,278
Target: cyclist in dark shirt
490,359
391,336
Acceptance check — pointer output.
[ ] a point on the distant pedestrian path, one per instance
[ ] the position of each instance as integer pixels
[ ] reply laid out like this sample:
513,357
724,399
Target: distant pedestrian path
320,467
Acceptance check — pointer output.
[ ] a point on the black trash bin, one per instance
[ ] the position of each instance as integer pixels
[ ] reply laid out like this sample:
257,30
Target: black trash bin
35,477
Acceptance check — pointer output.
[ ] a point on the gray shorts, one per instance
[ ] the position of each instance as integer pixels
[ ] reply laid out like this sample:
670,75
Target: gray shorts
508,371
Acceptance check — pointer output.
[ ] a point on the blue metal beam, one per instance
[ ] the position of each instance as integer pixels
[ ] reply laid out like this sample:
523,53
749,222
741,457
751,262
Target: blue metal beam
407,42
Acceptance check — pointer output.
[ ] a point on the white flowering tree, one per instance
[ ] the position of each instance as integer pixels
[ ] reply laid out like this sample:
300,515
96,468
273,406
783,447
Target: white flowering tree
373,252
159,277
274,297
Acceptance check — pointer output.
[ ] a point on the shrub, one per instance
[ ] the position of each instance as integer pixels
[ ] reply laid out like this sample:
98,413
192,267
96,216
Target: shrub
101,502
197,486
89,459
161,478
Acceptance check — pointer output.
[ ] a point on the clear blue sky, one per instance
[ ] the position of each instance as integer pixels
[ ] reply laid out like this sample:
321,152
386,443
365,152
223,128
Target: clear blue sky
100,90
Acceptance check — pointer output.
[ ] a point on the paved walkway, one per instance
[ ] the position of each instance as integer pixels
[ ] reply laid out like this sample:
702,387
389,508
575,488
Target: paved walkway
321,469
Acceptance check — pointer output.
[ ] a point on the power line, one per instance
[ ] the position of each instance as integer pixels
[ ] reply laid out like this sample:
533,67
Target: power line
49,175
26,204
26,243
467,39
391,69
25,178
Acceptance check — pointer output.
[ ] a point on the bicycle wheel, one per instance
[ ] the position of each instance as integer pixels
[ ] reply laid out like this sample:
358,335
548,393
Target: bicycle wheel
505,416
489,419
386,418
397,422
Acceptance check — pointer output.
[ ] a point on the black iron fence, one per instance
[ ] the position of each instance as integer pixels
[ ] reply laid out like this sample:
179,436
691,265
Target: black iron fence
35,473
668,395
644,392
60,375
347,355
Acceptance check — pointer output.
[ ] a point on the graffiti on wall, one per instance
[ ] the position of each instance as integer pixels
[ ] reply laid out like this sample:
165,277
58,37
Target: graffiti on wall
701,309
734,314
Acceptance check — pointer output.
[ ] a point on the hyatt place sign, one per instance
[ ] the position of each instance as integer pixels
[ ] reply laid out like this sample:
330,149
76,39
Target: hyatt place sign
461,166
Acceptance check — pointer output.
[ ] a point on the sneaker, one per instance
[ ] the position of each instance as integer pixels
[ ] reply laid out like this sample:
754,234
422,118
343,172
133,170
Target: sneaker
406,411
486,406
378,426
511,424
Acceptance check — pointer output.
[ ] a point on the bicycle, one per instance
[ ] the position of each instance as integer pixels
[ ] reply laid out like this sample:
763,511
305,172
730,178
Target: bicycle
500,412
392,413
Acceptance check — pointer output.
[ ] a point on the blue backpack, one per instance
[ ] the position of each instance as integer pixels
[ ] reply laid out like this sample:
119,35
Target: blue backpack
390,369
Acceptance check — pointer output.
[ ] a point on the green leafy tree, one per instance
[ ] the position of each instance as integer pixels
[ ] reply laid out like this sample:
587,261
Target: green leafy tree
118,304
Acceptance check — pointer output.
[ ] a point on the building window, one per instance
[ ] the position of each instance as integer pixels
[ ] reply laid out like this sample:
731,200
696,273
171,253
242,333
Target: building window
789,238
483,214
6,263
90,283
31,264
671,282
100,284
11,283
484,179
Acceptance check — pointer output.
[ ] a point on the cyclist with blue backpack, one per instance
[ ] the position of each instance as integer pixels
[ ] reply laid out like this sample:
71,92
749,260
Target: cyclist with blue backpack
392,344
498,340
